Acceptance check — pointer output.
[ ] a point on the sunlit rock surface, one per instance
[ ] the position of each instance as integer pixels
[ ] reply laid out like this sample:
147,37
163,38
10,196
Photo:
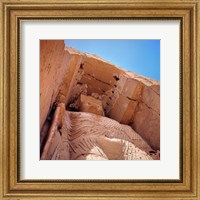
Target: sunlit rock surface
109,108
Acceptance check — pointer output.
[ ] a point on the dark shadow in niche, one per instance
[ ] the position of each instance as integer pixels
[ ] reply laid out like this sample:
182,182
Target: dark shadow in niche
116,78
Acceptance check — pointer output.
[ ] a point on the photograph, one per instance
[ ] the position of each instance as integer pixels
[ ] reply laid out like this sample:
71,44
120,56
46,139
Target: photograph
100,99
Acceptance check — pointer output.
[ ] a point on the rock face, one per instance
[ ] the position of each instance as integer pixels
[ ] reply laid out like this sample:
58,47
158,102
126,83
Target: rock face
53,67
91,105
85,83
89,136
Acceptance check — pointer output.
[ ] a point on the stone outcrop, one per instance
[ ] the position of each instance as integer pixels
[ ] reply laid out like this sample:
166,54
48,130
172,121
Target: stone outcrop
85,83
90,136
91,105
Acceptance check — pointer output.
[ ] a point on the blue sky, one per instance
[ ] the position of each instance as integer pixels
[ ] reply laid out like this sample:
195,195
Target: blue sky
139,56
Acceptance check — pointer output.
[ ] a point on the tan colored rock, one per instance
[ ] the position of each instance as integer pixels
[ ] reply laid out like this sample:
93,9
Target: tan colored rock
57,73
84,82
90,104
139,106
57,145
122,92
57,68
91,136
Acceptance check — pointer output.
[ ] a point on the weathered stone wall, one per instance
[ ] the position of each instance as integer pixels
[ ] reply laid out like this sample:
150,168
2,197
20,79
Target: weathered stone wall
137,103
53,66
57,68
126,97
87,136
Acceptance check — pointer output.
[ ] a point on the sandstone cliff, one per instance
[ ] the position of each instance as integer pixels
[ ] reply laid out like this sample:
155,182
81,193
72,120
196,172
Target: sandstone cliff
114,113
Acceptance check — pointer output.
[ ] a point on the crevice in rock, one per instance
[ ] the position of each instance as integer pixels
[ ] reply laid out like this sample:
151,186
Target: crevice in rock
131,99
116,78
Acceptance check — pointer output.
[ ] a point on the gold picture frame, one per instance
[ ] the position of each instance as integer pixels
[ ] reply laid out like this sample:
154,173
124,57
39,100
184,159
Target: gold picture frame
12,12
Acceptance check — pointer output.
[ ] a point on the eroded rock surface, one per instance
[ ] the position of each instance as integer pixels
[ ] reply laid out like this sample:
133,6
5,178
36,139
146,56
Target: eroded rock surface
85,83
89,136
91,105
